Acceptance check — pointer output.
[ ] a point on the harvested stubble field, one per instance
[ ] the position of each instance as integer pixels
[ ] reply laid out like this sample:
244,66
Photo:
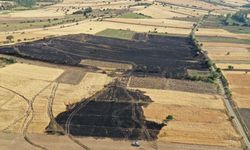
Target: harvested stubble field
236,66
159,53
67,8
154,22
239,83
228,53
231,57
56,142
197,4
26,80
172,84
106,65
29,80
217,47
199,118
195,110
171,12
218,33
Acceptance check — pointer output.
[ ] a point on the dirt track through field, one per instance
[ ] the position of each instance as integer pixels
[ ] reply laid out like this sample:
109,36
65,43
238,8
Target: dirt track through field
30,117
21,117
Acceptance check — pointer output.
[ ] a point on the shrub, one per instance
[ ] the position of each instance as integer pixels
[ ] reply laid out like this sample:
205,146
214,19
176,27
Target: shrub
230,67
9,38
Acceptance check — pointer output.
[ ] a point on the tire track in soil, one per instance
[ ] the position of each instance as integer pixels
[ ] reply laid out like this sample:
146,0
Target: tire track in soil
21,117
30,117
67,125
52,118
15,121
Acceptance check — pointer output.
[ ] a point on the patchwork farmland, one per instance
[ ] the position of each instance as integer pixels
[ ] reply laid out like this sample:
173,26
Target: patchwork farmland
110,74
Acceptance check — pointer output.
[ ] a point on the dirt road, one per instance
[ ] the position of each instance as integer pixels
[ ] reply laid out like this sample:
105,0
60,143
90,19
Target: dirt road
11,141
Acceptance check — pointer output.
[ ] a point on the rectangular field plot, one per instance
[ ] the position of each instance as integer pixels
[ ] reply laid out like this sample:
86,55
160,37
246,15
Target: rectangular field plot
120,34
170,97
240,85
31,71
107,65
172,84
199,119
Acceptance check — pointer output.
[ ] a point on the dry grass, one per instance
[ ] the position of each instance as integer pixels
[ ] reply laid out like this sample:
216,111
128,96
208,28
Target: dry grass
200,5
227,51
90,84
155,22
66,94
169,97
231,57
158,11
28,80
106,65
199,118
236,66
66,8
173,84
88,27
240,85
221,33
31,72
213,48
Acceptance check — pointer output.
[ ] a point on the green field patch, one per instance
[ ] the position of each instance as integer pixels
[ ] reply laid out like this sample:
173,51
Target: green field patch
135,16
116,33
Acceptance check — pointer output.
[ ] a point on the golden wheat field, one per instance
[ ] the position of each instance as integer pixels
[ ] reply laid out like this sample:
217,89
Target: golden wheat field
31,81
194,114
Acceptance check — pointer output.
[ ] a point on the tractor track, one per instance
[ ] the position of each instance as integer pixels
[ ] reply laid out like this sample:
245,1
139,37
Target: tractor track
21,117
15,121
67,125
30,117
51,101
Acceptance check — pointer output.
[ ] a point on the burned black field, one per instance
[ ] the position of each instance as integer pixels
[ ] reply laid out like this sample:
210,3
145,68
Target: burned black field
113,112
150,54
